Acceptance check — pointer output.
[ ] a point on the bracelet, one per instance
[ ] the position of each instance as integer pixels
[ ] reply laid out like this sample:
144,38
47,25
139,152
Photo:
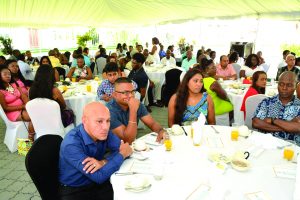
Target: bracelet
132,122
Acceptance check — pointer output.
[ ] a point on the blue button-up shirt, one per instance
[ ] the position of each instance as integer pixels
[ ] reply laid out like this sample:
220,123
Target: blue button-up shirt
77,146
273,108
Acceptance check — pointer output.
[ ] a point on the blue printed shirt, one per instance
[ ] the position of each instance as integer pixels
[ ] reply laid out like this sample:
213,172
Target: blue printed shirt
273,108
77,146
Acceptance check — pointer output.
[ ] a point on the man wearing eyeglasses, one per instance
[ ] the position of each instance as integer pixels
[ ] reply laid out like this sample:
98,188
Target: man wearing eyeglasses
126,110
280,115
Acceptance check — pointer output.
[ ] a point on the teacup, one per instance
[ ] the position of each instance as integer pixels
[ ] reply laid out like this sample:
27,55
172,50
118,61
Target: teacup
140,145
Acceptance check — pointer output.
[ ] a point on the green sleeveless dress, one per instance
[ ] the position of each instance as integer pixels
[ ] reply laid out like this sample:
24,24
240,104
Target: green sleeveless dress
221,106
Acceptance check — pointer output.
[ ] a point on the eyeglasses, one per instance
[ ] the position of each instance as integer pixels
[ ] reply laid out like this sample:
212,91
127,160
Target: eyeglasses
127,92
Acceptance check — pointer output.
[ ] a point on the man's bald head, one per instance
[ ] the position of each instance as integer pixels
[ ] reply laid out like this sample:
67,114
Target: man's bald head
96,120
288,75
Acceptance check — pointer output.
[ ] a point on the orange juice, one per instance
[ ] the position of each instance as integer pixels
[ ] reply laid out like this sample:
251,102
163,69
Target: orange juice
288,153
65,88
88,88
234,134
73,79
168,144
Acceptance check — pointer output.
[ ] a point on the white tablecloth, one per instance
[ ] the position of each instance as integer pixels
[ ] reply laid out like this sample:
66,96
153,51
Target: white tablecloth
77,97
187,166
157,73
236,97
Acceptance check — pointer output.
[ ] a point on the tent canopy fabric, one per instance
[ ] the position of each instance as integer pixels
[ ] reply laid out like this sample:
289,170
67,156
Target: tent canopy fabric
118,13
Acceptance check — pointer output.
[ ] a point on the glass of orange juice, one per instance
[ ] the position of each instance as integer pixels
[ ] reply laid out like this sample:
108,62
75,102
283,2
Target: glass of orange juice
289,151
88,88
235,132
73,79
168,143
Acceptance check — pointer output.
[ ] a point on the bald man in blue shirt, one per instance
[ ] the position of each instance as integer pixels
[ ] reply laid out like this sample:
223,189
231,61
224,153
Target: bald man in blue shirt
84,172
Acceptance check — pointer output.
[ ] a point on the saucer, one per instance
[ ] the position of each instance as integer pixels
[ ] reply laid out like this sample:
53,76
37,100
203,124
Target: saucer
240,164
138,183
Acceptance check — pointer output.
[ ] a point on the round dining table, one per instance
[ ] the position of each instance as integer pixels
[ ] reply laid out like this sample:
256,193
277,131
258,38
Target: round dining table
187,172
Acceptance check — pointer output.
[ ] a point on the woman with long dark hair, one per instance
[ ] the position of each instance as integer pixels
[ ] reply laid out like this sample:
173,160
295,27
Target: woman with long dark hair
251,66
43,87
17,76
190,101
46,61
259,82
13,100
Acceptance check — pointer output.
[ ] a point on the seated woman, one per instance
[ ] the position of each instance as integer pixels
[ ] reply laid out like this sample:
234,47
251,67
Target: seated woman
222,104
46,61
13,100
259,82
17,76
190,101
251,66
81,71
43,87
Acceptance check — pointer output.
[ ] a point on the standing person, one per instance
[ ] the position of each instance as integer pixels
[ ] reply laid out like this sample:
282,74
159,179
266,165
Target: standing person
190,101
259,82
84,166
155,50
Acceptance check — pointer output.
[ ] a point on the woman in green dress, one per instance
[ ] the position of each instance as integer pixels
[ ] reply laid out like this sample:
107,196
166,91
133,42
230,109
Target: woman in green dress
214,89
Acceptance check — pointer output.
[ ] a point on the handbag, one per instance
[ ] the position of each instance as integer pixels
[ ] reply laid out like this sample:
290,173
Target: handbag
67,116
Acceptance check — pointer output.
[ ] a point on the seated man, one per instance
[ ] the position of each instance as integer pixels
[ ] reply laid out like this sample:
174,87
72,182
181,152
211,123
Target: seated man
168,60
290,60
126,110
280,115
225,70
84,172
189,61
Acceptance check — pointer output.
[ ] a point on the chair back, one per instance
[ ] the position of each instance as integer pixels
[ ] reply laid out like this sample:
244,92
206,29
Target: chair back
172,81
127,72
100,64
42,165
61,71
237,69
45,116
251,105
13,131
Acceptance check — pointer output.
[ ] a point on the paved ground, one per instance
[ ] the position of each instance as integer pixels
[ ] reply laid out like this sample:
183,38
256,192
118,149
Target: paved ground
16,184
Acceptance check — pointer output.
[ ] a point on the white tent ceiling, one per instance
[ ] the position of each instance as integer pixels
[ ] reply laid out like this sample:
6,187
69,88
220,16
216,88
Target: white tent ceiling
116,13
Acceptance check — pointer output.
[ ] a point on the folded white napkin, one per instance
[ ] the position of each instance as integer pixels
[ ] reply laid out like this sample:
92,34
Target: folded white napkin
267,141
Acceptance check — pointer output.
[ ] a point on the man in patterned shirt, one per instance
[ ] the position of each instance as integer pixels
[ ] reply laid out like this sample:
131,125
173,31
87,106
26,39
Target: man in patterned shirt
280,115
106,88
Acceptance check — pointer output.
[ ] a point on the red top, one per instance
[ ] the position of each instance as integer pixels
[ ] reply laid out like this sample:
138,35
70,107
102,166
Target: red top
251,91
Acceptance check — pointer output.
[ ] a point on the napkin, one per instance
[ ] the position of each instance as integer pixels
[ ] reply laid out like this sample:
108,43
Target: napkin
266,141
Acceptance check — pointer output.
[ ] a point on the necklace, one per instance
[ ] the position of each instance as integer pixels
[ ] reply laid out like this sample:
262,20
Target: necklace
10,89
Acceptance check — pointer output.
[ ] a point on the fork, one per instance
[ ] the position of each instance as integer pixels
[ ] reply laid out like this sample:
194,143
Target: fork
216,131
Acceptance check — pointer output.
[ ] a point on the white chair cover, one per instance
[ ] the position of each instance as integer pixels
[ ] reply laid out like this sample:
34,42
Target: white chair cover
100,64
14,130
46,117
145,101
126,71
251,105
222,120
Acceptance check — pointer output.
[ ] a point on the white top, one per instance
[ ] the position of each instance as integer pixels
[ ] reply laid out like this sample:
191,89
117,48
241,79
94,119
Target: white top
25,70
168,62
249,72
282,64
156,55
